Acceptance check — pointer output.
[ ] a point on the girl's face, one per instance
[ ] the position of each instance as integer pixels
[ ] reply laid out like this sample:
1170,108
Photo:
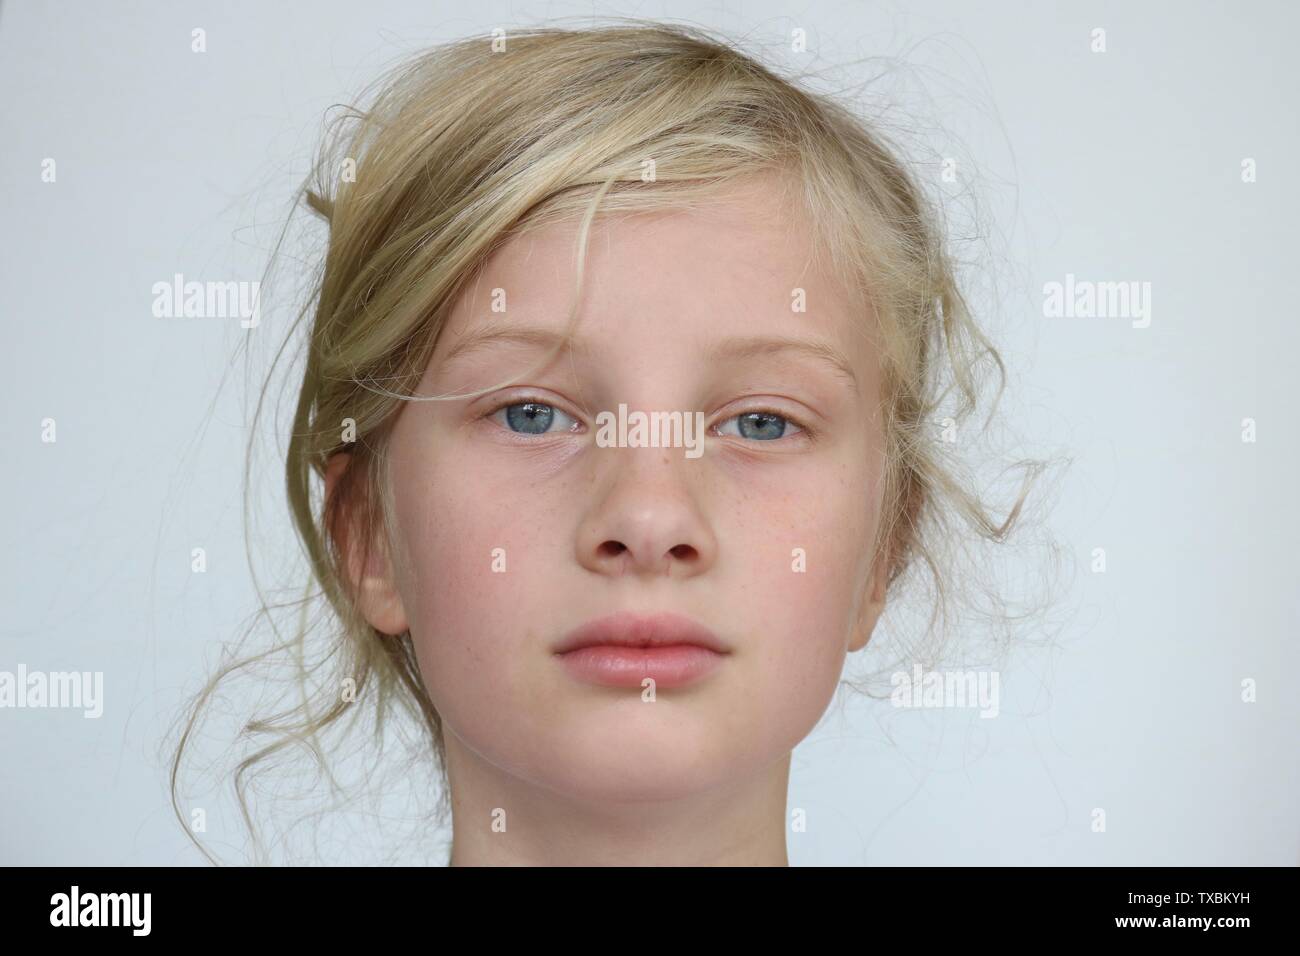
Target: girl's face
515,526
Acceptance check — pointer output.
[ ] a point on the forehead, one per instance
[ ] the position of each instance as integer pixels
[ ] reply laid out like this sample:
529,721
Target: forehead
744,264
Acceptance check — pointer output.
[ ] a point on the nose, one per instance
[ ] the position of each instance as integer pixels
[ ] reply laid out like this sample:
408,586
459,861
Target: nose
647,519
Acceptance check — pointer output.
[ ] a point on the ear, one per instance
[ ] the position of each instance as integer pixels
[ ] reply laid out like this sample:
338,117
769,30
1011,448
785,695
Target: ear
873,605
367,565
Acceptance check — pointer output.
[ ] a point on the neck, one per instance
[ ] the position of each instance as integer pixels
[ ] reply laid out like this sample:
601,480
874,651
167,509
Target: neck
499,819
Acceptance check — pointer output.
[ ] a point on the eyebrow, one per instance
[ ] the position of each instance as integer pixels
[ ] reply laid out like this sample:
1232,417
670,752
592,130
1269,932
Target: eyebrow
759,345
503,334
730,349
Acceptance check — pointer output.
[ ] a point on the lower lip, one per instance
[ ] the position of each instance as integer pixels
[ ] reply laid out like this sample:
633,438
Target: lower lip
672,665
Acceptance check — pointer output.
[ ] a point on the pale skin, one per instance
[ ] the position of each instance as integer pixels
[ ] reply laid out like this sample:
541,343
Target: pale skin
584,774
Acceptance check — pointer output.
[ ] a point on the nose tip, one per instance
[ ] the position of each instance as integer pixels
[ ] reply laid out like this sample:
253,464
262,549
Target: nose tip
649,521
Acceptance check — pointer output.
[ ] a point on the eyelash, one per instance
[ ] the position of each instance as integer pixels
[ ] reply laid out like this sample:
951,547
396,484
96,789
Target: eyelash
803,429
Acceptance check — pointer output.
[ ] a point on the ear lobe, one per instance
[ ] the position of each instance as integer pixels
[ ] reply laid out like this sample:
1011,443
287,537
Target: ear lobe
366,563
873,605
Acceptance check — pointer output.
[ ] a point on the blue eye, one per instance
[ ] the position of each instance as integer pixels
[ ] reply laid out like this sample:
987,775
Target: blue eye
533,418
759,426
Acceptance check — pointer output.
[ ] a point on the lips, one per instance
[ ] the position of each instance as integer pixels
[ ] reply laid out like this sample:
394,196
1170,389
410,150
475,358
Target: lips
622,650
633,630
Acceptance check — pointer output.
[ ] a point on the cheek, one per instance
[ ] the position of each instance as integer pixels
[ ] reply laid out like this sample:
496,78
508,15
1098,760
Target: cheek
470,577
801,604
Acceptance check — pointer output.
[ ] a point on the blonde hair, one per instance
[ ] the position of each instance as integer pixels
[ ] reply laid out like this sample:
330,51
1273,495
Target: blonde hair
469,144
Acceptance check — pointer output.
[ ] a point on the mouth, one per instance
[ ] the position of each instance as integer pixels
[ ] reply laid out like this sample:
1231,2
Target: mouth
623,650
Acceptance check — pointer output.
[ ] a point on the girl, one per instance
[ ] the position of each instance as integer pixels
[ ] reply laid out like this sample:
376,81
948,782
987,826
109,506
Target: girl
613,646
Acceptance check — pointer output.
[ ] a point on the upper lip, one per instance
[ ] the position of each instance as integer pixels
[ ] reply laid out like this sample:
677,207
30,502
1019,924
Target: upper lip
641,630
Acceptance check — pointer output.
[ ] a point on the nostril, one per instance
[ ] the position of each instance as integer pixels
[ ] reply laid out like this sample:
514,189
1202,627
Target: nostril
683,552
612,549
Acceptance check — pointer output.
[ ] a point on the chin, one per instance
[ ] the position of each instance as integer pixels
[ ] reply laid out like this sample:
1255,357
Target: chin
663,765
